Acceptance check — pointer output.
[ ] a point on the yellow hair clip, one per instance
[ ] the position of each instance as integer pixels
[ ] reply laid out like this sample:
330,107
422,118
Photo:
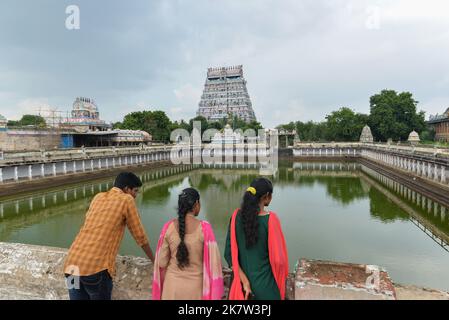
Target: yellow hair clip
252,190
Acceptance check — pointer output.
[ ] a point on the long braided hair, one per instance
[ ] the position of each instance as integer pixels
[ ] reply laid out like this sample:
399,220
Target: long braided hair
250,208
186,201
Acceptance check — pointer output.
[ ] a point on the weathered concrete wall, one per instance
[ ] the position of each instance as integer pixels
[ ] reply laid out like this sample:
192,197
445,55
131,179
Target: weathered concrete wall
13,140
35,272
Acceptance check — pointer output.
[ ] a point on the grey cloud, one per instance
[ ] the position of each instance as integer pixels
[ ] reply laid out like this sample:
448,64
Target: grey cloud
309,57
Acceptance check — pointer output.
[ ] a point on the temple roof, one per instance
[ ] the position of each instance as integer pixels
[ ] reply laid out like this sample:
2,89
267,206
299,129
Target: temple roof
225,71
414,136
86,104
366,135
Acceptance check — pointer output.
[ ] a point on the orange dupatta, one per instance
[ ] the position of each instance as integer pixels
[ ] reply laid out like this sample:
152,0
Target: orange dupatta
277,251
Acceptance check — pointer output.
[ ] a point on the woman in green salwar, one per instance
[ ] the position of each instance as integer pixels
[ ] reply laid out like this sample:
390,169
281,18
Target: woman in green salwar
255,265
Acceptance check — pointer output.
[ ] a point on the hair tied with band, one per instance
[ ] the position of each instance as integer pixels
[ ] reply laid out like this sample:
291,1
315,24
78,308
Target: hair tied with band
252,190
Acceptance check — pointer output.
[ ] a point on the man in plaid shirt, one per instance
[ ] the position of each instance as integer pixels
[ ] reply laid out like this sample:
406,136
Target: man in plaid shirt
90,263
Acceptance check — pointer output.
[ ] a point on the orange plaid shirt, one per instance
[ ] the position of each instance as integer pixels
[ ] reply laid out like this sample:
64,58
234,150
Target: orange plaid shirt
96,246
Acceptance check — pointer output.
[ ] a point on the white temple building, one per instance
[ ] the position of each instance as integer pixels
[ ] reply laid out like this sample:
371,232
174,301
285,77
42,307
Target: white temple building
227,137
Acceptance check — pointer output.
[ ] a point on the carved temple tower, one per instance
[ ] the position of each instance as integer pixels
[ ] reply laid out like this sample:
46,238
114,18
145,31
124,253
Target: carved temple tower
225,93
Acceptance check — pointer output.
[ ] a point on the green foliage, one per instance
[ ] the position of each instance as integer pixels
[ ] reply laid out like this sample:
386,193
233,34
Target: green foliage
117,125
13,123
180,125
308,131
345,125
253,125
394,115
237,123
341,125
204,124
136,121
311,131
218,125
28,120
159,126
428,135
154,122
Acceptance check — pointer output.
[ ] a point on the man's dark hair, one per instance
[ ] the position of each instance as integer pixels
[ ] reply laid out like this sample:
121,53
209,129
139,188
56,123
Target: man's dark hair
127,179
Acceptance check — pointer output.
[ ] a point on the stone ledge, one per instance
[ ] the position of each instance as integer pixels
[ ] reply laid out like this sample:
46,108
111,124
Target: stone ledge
29,272
404,292
324,280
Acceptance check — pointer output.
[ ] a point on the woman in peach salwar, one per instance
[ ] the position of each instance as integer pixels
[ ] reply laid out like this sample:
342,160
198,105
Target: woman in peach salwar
188,263
255,247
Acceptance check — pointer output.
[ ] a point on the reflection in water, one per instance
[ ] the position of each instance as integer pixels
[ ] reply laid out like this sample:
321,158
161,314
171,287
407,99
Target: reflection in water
386,211
426,214
330,211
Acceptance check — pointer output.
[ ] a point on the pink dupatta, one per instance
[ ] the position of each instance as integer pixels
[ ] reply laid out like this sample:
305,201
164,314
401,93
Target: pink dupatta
212,269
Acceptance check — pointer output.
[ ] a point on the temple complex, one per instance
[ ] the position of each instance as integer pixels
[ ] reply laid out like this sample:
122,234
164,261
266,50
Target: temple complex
85,117
84,128
441,125
225,94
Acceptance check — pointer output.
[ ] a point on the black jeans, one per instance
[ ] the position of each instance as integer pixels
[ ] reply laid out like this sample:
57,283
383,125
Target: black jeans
97,286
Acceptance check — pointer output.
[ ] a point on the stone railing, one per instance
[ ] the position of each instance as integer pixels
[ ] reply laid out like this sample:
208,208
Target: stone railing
34,165
428,163
313,149
38,156
31,166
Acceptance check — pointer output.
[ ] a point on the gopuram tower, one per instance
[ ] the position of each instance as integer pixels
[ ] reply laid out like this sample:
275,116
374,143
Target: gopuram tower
225,94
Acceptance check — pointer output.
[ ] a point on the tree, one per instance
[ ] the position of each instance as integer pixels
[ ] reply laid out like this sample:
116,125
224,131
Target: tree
345,125
238,123
289,127
202,120
311,131
13,123
180,125
158,125
29,120
394,115
218,125
117,125
154,122
136,121
254,125
428,135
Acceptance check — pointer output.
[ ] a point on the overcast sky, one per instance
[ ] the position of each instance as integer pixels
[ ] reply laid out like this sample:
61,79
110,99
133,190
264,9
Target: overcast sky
302,58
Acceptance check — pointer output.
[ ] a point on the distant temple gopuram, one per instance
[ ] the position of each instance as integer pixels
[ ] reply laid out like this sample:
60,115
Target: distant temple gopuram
85,117
441,125
225,94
